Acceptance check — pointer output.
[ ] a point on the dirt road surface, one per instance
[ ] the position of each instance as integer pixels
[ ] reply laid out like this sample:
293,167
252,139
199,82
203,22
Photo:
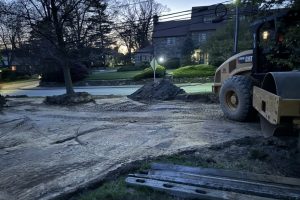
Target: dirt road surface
49,151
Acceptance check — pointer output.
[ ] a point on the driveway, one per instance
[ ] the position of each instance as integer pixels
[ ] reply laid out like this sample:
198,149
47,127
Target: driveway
49,151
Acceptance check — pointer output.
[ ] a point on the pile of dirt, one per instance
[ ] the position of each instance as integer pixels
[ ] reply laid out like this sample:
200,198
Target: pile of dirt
69,99
161,90
2,101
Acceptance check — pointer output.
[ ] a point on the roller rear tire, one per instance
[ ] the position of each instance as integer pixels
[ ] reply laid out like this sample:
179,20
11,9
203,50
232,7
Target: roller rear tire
236,98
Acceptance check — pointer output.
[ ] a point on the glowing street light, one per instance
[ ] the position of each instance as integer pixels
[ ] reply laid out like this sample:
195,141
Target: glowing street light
161,59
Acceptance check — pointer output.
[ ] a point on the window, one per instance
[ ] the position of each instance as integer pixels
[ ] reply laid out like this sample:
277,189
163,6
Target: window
208,19
171,41
202,37
145,58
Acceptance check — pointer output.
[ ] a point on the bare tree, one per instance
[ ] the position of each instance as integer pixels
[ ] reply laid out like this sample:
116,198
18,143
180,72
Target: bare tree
62,27
12,34
134,23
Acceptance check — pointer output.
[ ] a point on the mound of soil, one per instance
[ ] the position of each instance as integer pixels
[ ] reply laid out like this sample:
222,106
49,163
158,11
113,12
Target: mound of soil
161,90
69,99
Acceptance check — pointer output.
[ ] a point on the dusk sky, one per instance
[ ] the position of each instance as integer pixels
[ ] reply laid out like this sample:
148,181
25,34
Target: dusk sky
179,5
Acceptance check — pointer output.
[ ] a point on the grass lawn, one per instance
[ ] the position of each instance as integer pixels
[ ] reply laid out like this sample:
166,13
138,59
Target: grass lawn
190,88
112,75
118,190
170,71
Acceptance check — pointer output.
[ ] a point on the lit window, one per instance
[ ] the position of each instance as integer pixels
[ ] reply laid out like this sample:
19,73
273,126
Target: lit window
266,35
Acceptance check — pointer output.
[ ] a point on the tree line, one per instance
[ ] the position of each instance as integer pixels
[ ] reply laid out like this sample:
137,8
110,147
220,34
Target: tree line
69,32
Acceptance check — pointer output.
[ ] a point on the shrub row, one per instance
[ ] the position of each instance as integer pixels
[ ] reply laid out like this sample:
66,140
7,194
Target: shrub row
9,75
148,73
55,74
194,71
172,63
127,68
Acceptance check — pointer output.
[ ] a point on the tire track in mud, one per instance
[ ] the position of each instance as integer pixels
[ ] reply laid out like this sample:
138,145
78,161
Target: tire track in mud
17,125
5,122
78,134
21,125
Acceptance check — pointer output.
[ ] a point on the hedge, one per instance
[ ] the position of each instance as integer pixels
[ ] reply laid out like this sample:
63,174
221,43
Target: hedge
194,71
127,68
148,73
9,75
53,73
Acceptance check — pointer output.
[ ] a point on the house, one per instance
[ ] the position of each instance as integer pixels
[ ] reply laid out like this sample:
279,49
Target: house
169,36
143,55
22,65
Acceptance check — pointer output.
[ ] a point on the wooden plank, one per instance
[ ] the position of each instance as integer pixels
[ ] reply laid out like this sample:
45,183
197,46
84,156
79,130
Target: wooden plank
229,173
187,191
199,176
227,184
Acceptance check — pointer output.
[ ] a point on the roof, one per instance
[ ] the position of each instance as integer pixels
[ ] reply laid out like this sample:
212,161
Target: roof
183,27
199,16
171,28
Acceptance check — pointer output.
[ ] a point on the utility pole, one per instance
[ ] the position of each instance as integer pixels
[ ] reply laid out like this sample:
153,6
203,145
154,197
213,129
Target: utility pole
237,26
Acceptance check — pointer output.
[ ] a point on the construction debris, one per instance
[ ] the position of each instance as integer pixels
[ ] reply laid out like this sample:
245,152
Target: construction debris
207,183
160,90
69,99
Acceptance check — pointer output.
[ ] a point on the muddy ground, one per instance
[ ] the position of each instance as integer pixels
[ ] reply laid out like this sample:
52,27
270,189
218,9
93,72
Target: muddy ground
49,151
272,156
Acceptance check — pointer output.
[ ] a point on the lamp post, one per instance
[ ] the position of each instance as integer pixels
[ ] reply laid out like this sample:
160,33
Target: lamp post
237,25
154,65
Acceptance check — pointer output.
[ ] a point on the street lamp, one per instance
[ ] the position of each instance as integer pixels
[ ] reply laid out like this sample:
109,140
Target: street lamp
154,65
161,59
237,24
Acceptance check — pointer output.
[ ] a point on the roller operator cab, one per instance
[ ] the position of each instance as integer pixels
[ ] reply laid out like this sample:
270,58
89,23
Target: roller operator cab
249,82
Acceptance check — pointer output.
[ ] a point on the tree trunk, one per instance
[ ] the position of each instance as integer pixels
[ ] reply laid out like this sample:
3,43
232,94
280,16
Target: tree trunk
68,80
